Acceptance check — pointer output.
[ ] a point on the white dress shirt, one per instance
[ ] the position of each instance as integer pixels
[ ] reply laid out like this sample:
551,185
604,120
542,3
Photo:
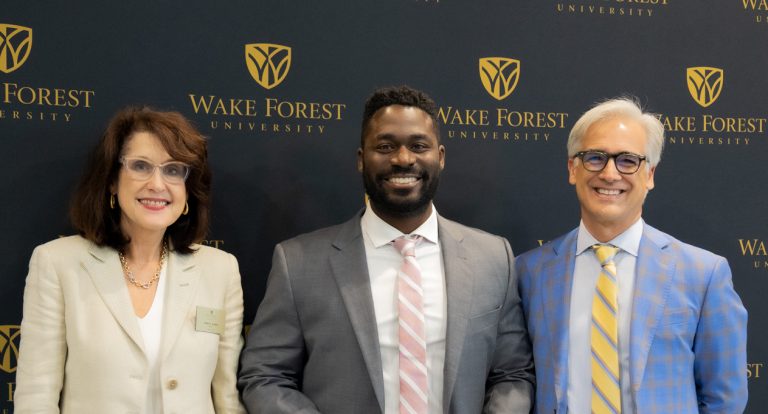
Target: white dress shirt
151,326
384,261
586,272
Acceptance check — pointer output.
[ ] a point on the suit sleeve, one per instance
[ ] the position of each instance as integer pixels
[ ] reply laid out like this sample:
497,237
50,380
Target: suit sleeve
511,381
720,347
226,398
43,348
272,362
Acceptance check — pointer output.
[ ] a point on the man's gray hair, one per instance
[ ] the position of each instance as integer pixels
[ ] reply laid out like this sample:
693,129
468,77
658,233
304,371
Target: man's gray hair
625,107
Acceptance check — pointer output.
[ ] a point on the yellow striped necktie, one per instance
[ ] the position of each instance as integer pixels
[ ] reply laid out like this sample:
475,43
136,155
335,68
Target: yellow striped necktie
606,392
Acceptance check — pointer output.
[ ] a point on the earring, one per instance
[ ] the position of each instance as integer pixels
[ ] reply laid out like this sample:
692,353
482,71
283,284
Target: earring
112,201
186,209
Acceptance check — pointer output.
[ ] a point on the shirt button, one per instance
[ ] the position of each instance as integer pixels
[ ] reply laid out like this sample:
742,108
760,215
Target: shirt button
172,384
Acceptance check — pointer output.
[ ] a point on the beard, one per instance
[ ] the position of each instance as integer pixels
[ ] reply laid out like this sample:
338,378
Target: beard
395,202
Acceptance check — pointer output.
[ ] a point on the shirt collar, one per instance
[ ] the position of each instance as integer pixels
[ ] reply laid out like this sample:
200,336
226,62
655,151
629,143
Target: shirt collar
382,233
628,241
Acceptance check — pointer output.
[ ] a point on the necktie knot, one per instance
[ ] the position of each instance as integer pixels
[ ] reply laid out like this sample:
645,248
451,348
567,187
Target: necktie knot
605,253
406,245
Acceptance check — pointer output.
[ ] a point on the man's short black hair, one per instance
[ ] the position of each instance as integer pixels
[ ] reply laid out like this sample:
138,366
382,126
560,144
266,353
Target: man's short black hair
398,95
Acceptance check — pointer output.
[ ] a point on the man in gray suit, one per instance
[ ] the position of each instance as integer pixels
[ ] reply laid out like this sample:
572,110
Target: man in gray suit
350,324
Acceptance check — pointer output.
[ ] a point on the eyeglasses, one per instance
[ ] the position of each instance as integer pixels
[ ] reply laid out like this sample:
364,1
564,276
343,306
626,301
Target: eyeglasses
173,172
595,161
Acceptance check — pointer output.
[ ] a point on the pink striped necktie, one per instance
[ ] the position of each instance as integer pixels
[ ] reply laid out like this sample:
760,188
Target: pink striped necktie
412,335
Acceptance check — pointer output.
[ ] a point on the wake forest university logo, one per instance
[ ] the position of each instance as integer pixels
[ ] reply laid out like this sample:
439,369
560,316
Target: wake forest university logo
508,122
499,75
268,63
22,102
704,84
9,347
705,127
15,45
267,113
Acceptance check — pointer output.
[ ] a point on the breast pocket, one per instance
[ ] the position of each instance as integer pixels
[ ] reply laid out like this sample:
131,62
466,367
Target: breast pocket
677,324
486,320
677,317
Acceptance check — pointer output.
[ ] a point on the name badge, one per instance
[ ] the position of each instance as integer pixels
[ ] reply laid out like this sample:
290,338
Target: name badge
209,320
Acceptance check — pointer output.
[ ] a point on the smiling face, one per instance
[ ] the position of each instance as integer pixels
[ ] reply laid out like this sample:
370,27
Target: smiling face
611,201
401,160
147,206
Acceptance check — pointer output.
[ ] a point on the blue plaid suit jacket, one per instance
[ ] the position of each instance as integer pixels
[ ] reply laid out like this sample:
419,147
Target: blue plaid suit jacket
688,331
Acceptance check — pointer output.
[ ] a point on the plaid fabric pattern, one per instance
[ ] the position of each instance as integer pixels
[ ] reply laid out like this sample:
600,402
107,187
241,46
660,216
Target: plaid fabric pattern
688,331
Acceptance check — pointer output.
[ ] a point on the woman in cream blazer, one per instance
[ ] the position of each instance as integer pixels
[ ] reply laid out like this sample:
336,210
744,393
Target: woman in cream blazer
132,316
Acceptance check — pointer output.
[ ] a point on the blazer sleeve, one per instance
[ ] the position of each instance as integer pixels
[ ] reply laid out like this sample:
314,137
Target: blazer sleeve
720,347
273,359
511,380
43,347
226,398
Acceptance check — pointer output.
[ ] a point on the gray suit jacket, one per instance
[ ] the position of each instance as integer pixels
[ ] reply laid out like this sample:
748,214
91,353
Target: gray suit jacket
314,345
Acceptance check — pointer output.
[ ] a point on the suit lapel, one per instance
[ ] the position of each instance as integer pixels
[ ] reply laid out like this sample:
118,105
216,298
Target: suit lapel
350,270
653,276
556,281
458,282
103,267
183,279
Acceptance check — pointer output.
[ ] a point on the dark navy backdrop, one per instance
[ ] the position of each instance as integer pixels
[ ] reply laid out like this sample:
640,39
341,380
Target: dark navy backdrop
281,169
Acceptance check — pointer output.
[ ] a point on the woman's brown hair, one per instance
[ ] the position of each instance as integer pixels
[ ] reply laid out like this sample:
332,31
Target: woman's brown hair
90,211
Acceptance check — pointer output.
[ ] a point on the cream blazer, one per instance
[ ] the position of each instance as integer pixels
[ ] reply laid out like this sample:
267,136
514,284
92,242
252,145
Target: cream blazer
81,347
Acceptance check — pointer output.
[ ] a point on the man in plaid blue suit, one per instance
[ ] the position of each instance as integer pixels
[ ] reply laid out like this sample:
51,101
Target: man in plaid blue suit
681,326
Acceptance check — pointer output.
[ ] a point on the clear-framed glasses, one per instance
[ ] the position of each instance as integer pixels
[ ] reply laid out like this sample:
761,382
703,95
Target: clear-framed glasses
595,161
173,172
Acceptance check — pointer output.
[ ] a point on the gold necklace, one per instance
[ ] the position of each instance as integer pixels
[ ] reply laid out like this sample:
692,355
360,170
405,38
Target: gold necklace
129,274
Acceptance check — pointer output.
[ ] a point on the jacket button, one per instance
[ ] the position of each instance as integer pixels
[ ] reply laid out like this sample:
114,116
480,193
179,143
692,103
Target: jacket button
172,384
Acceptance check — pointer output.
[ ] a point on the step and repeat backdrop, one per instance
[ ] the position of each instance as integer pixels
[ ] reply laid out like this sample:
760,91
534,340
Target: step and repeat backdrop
278,88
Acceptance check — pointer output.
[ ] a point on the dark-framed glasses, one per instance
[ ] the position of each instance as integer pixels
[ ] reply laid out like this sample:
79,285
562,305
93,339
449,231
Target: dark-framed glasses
173,172
595,161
